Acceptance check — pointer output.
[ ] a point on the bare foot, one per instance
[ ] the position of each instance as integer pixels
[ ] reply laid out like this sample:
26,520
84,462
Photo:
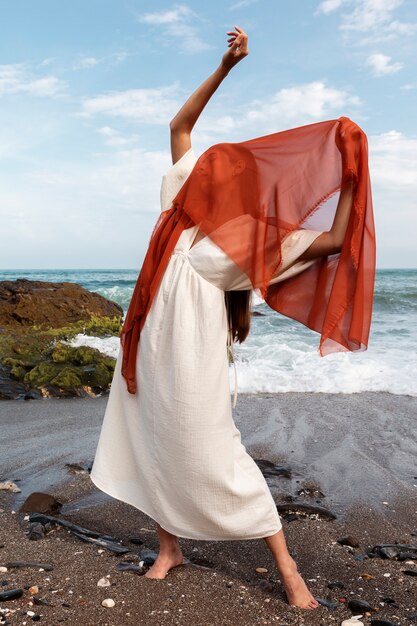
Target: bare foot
295,588
164,562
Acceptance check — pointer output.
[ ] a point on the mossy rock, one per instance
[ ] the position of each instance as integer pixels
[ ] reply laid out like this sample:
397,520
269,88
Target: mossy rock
62,353
17,372
41,374
11,362
98,376
68,378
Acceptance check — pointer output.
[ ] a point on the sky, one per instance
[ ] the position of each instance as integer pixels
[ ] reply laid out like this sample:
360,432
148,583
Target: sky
87,90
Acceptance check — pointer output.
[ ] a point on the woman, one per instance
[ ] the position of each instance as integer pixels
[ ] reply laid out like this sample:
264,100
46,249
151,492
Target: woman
170,447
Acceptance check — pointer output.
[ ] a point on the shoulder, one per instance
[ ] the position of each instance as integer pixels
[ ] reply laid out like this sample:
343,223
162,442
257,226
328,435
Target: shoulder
175,177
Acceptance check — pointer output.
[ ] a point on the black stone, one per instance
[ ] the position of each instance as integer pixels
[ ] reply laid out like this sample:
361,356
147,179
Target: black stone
359,606
349,541
10,594
328,603
383,622
136,540
270,469
337,584
148,556
36,531
410,572
128,566
19,564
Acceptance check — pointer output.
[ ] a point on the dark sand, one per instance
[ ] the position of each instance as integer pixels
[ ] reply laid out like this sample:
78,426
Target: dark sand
359,449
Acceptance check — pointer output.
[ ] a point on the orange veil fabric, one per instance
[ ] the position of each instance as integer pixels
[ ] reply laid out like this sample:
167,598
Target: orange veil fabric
247,197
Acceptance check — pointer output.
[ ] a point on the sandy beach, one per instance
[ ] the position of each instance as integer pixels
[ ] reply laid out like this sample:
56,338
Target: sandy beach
354,455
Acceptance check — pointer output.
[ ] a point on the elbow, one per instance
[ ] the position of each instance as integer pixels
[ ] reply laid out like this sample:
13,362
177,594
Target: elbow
179,127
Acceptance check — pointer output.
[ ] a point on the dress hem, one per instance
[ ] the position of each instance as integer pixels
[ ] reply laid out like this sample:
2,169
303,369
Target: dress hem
177,532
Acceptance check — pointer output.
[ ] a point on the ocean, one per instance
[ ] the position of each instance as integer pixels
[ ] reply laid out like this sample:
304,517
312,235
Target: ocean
280,354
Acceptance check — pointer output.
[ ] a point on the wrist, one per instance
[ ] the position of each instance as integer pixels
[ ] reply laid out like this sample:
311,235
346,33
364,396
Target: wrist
222,70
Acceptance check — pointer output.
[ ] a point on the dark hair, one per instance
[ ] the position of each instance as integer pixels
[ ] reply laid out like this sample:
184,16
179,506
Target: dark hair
238,308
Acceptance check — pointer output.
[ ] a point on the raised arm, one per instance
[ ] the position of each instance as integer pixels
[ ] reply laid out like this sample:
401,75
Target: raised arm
182,124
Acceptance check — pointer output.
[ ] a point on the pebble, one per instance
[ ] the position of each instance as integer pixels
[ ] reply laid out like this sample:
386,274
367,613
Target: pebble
108,603
327,603
10,594
261,570
359,606
9,485
353,621
382,622
34,589
337,584
349,541
103,582
3,569
367,576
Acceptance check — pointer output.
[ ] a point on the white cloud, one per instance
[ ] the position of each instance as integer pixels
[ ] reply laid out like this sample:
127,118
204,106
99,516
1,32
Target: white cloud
381,64
115,139
151,106
177,23
288,107
328,6
393,166
16,78
309,101
394,161
241,4
86,62
373,19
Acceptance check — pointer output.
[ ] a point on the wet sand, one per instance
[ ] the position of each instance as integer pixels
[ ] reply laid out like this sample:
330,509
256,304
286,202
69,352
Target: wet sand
358,449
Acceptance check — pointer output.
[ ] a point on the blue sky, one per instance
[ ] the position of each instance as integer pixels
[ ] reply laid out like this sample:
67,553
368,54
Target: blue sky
87,90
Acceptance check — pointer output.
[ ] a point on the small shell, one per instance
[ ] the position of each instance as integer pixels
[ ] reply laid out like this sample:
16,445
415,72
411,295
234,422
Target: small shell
108,603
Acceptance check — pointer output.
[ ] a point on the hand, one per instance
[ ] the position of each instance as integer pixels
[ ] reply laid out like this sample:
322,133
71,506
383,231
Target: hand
238,48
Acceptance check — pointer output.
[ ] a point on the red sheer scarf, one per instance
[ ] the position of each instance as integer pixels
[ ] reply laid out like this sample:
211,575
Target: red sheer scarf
247,197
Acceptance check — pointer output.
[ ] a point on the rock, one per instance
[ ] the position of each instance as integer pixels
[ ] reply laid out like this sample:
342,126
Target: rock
36,315
103,582
75,468
10,594
109,603
367,576
39,502
148,556
36,532
270,469
410,572
306,509
401,551
383,622
265,585
349,541
104,541
328,603
3,570
359,606
28,303
34,590
33,394
9,485
337,584
20,564
128,566
136,540
352,622
261,570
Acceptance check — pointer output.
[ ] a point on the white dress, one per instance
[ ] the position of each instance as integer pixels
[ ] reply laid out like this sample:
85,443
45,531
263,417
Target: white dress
172,450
